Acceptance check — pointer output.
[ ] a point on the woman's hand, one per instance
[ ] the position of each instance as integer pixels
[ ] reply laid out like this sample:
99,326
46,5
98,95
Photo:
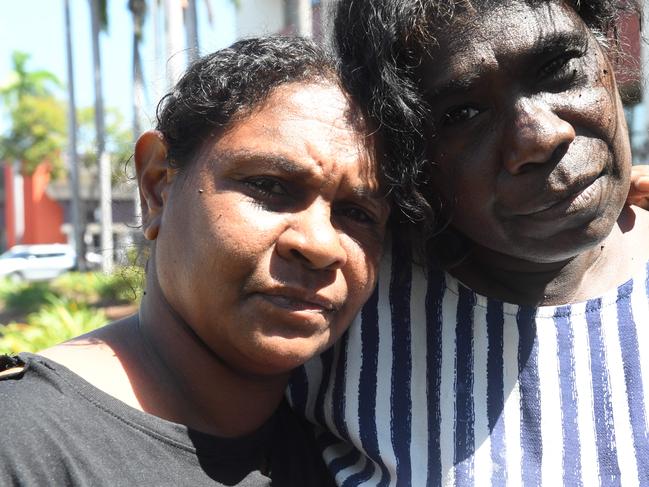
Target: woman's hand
639,191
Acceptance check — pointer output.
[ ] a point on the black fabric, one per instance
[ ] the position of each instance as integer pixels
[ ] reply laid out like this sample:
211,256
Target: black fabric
57,429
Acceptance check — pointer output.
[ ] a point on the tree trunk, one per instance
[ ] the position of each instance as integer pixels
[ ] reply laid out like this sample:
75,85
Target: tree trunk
174,36
191,28
105,208
300,15
73,160
138,10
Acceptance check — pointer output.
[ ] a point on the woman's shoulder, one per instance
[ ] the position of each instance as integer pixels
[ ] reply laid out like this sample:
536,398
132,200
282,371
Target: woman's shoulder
36,401
96,358
23,377
32,388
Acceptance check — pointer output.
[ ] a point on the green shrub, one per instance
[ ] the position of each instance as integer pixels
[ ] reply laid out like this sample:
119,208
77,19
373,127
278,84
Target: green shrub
58,321
125,284
27,297
7,286
60,310
79,286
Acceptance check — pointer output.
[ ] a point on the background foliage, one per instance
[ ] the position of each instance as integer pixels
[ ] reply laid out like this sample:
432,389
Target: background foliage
37,124
66,307
37,119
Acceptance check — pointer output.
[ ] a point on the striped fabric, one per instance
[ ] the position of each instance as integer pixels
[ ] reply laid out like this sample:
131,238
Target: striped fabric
435,385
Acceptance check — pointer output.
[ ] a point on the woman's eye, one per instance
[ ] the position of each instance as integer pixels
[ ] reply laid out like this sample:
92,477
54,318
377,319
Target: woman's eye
267,186
561,69
554,67
357,214
459,115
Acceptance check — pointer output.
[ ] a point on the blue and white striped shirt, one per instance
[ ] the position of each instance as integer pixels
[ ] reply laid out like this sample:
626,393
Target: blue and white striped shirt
436,385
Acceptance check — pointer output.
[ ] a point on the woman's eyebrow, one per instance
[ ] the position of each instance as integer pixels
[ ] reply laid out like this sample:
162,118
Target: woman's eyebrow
368,192
551,43
454,86
290,167
262,159
558,41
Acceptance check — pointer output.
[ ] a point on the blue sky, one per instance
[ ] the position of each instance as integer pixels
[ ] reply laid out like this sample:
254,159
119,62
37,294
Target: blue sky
37,27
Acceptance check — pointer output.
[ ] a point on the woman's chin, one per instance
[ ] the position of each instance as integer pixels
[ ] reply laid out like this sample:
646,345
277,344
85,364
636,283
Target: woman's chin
279,355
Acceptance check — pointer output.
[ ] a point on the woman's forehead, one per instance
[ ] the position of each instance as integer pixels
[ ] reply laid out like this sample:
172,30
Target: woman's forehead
502,20
307,124
502,37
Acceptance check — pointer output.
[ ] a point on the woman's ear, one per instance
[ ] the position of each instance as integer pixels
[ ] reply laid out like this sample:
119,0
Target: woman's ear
152,171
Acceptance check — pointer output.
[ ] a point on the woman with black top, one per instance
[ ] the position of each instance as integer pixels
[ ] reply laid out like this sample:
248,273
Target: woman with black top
261,199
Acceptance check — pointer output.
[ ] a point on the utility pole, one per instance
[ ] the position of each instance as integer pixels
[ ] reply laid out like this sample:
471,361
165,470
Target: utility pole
105,208
73,160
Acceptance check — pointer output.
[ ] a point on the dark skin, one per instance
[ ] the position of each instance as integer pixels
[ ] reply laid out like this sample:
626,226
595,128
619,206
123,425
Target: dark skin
263,250
639,190
527,120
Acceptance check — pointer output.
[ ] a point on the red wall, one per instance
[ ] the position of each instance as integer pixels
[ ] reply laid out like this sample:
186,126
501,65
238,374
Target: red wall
9,205
43,216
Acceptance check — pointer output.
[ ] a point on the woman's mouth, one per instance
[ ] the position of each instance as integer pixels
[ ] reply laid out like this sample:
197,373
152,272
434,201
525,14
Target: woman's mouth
298,300
569,204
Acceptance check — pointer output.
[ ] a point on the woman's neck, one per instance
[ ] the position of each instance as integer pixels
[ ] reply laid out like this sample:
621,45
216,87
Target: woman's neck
155,363
207,393
585,276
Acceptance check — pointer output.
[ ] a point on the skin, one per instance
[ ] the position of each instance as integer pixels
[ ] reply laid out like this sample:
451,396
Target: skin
639,191
265,248
526,118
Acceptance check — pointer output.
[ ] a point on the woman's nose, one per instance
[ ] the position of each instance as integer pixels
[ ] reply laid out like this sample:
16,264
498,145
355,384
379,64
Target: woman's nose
313,239
536,135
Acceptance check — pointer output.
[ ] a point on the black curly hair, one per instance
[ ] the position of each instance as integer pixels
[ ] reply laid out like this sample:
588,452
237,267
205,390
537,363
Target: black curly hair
381,44
228,84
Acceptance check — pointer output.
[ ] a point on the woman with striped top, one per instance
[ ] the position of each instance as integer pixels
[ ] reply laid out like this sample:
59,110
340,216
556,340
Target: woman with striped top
520,354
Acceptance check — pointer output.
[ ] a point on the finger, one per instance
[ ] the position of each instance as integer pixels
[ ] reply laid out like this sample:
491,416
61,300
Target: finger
639,170
641,201
641,184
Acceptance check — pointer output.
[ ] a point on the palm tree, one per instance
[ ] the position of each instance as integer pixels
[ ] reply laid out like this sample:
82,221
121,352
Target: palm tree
35,133
77,213
300,15
138,11
24,82
37,129
99,23
191,25
173,10
177,12
191,30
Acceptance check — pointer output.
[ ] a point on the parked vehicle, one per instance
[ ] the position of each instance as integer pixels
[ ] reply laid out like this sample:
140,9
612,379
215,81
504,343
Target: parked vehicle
37,262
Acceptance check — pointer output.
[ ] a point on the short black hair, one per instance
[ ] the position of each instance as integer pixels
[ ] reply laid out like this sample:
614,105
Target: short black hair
228,84
381,44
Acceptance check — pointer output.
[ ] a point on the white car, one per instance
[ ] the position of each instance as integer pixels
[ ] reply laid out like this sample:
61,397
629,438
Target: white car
37,262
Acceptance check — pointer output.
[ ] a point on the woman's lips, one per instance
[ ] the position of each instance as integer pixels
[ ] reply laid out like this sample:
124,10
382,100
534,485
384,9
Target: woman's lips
571,203
297,300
